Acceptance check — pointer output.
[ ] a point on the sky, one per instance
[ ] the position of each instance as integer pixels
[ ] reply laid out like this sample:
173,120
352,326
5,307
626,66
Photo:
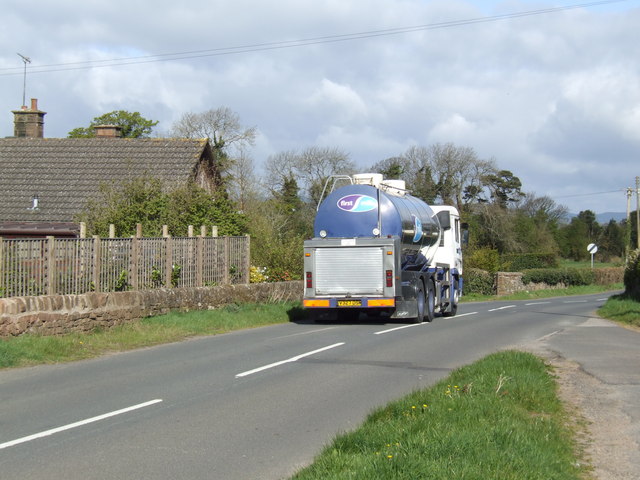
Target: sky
547,90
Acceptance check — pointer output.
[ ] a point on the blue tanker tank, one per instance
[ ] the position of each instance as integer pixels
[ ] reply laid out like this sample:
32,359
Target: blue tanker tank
366,211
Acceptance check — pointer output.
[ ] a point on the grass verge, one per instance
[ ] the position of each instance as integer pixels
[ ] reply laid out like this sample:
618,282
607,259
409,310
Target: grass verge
534,294
499,418
623,309
37,349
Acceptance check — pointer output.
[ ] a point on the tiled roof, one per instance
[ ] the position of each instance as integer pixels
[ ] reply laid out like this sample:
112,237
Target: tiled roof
65,172
39,229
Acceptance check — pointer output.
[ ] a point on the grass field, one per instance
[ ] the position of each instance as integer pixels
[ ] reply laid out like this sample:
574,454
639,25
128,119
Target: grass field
497,419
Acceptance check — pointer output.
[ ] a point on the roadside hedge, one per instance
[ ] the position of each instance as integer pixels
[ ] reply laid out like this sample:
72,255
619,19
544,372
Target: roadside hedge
632,276
569,277
478,281
518,262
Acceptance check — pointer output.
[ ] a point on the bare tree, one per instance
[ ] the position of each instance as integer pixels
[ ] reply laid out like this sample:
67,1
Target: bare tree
221,125
242,180
440,173
310,168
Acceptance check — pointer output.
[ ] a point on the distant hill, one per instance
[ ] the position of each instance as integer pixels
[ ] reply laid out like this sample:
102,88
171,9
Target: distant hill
604,218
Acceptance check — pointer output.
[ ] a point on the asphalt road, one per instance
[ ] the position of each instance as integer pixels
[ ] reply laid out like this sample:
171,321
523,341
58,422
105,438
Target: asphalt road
255,404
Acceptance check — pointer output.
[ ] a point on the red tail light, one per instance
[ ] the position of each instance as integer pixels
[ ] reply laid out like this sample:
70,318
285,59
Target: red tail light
309,280
389,275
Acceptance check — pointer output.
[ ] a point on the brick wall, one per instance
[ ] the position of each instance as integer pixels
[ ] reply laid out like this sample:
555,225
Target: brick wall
58,314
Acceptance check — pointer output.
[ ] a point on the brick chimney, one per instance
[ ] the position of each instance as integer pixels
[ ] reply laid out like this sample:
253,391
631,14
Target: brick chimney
29,122
108,131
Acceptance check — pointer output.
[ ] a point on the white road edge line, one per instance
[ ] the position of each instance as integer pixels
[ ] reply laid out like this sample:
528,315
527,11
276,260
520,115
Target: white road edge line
289,360
501,308
78,424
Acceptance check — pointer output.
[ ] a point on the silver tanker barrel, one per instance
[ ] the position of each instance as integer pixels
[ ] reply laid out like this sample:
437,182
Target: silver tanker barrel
367,211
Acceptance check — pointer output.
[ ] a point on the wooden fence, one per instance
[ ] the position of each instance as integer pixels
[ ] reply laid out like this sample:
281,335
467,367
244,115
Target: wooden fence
73,266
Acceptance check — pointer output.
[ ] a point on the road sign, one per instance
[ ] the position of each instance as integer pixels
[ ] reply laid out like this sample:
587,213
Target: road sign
592,248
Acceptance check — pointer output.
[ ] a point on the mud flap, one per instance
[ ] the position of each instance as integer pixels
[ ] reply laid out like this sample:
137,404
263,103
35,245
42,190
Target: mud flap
405,309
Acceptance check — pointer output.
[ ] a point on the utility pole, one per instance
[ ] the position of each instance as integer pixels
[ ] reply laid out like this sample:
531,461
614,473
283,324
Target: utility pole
627,234
638,212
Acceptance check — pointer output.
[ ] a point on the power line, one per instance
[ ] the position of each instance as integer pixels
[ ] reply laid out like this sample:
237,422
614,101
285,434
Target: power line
589,194
258,47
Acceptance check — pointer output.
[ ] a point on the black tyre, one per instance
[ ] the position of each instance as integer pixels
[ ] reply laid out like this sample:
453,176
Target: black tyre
421,304
430,312
453,308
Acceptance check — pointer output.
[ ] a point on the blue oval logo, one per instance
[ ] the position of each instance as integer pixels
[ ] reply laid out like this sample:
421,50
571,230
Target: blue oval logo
417,225
357,203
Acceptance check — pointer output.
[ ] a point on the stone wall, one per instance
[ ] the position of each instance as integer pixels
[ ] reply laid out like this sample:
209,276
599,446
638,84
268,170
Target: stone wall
511,282
507,283
58,314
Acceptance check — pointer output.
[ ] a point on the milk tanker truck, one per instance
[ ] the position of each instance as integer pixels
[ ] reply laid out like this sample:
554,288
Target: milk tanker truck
377,249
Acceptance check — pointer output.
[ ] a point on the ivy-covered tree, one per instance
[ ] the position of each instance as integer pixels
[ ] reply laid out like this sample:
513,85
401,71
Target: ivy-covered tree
132,124
147,201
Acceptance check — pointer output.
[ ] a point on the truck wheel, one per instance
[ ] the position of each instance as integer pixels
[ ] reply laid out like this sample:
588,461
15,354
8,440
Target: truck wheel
420,304
452,309
431,302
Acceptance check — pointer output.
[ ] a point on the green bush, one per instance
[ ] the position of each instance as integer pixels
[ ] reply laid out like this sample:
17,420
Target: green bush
570,277
478,281
518,262
483,259
632,275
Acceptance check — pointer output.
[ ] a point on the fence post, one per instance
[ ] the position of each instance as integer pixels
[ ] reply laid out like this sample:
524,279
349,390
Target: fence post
51,265
112,230
199,261
168,255
225,263
247,256
97,267
133,267
190,231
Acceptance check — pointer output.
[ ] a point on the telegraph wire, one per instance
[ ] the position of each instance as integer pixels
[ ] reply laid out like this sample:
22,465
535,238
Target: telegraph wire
589,194
258,47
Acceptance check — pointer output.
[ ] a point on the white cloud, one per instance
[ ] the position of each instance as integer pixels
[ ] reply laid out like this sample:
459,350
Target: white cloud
554,98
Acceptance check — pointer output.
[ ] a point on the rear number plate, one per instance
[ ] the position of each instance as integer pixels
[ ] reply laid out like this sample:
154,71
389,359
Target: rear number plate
349,303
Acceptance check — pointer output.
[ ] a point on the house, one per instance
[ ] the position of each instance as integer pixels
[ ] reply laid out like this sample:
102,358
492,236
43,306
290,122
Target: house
45,182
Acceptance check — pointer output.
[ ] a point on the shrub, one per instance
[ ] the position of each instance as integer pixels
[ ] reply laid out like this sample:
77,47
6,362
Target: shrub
518,262
570,277
486,259
608,276
632,276
258,274
478,281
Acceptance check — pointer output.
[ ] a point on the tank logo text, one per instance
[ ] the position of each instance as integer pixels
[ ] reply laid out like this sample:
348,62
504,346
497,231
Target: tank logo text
357,203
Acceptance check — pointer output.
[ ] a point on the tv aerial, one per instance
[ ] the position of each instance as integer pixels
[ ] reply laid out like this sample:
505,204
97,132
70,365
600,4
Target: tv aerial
24,82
